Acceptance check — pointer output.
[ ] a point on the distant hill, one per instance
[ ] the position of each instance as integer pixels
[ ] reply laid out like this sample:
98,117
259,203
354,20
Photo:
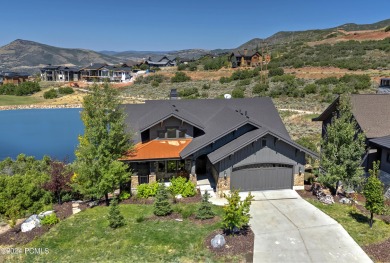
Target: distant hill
29,56
291,48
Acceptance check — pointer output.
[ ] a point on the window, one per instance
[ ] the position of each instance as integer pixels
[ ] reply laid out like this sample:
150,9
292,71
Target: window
161,167
263,142
161,134
171,166
182,133
171,132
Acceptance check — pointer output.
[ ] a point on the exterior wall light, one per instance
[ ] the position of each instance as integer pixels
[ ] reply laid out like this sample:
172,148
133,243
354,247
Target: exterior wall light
224,175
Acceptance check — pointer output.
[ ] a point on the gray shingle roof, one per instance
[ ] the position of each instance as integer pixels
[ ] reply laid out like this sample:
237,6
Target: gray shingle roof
382,141
371,111
95,66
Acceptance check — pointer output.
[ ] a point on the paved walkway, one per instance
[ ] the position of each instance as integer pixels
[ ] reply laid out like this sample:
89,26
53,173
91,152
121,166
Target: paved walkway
289,229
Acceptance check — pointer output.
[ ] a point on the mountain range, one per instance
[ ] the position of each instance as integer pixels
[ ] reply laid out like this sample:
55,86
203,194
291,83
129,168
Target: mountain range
28,56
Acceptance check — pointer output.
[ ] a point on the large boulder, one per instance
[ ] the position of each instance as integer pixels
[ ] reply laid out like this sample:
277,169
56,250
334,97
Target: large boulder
218,241
31,223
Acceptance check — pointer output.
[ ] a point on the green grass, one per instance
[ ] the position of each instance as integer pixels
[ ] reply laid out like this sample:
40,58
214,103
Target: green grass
6,100
356,223
86,237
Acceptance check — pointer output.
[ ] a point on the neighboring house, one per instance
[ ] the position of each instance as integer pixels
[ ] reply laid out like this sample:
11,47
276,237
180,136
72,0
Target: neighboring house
13,77
384,86
161,61
372,114
60,73
100,72
237,144
245,58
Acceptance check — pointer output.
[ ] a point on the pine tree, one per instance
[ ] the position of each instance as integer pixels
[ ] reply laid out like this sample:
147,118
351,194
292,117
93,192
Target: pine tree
162,206
342,149
373,192
205,211
115,217
104,141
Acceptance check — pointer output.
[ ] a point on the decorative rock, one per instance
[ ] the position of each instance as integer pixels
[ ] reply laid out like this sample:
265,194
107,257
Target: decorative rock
344,200
218,241
43,214
179,220
179,196
31,223
93,203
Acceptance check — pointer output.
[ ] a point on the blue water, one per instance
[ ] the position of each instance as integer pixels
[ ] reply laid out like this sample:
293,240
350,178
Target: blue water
40,132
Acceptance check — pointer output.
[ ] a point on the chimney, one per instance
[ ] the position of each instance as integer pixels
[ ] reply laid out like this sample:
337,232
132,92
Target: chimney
173,94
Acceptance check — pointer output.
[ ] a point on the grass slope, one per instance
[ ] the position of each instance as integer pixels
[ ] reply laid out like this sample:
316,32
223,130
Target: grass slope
355,223
86,237
6,100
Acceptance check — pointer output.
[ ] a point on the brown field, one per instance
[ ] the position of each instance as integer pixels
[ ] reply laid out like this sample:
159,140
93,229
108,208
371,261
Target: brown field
353,35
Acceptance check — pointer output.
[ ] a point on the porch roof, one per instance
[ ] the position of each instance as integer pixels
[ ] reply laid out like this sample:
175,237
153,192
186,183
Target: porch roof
157,149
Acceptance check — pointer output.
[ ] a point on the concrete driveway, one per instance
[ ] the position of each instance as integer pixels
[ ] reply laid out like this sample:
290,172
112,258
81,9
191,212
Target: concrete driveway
289,229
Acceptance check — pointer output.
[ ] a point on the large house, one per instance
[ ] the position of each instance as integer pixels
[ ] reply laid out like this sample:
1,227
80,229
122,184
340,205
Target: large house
60,73
236,143
372,114
9,77
161,61
245,58
101,72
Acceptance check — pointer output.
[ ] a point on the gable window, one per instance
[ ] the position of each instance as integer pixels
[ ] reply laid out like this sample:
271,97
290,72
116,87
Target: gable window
182,133
161,134
263,142
171,132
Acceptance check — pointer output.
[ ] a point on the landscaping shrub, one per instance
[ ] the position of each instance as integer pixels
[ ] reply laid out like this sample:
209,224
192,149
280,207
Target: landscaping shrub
7,89
238,93
244,74
181,67
182,186
23,89
180,77
236,212
327,81
224,80
243,82
192,66
115,217
215,63
65,90
147,190
50,94
206,86
124,195
67,197
205,211
162,206
50,220
155,84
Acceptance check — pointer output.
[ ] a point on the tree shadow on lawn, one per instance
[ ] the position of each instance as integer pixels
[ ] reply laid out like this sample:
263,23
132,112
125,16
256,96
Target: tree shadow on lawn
360,218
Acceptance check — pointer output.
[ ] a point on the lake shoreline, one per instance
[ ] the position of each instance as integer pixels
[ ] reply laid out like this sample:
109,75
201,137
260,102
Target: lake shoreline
37,106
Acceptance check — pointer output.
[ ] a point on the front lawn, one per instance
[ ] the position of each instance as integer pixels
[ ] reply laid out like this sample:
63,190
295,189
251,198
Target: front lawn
6,100
356,223
86,237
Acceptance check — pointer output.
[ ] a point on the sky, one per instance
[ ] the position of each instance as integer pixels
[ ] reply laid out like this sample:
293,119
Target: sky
157,25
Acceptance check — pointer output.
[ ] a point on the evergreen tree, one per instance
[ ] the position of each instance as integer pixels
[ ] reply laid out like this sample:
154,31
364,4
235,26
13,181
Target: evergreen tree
236,212
162,206
115,217
205,211
104,141
342,149
373,191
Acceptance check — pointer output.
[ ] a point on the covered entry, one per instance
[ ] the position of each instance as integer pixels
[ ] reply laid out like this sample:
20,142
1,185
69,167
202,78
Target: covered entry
257,177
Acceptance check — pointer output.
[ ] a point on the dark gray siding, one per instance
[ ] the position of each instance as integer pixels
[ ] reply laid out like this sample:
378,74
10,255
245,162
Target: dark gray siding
385,165
276,151
171,122
224,140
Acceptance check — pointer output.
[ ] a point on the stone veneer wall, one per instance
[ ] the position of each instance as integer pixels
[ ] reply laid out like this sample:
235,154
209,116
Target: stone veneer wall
152,178
299,181
134,183
223,185
193,179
